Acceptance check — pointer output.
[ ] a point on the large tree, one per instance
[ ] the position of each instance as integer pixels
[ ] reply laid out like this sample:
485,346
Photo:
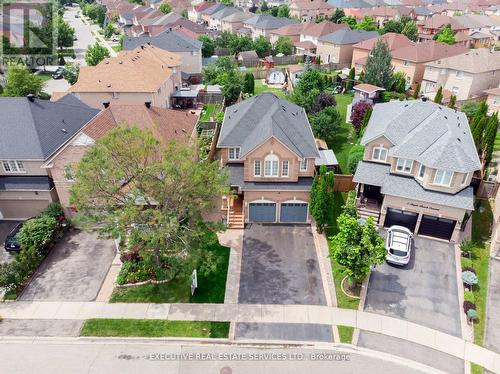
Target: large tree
337,16
151,195
65,34
367,24
262,46
322,198
326,123
71,72
95,54
208,45
445,35
283,45
165,8
379,70
311,83
21,82
410,30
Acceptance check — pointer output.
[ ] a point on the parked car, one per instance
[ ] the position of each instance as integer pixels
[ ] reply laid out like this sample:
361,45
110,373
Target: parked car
115,39
399,243
75,38
58,74
12,241
77,16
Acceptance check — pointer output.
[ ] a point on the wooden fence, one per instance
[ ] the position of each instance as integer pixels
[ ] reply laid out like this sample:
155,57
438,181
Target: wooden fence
487,190
343,183
283,60
210,97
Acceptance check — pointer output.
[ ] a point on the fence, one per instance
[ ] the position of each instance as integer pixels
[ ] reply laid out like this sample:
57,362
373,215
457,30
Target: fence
487,190
222,52
281,60
210,97
333,66
343,183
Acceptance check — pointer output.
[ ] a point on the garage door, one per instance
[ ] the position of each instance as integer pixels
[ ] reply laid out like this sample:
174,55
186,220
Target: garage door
436,227
262,212
20,209
293,212
400,218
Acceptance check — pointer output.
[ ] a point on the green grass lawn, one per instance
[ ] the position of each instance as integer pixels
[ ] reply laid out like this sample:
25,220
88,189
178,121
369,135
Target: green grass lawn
261,87
45,77
117,48
211,287
482,219
496,146
154,328
344,139
209,110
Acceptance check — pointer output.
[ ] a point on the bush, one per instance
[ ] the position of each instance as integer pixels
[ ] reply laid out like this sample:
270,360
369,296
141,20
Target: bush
468,305
355,155
472,315
469,268
466,246
130,256
466,263
9,276
37,232
469,296
358,114
350,205
469,278
53,210
133,272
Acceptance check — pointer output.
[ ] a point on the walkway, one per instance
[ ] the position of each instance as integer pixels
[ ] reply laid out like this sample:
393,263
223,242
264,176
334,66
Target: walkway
316,314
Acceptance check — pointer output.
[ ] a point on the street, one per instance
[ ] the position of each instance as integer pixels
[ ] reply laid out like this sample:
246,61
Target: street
83,34
173,357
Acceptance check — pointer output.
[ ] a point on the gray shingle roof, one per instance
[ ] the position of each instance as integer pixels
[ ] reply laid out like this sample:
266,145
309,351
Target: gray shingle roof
432,134
26,183
214,9
407,187
251,122
171,41
348,36
343,4
225,12
268,22
35,130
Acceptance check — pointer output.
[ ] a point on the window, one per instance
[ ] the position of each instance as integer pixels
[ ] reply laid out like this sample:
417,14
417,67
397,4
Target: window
405,63
303,164
421,172
464,178
234,153
13,166
442,71
454,90
443,177
429,69
115,95
256,168
271,166
459,74
284,169
404,165
379,154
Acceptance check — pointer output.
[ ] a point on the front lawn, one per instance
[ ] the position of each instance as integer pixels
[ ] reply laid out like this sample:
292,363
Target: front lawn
343,141
154,328
211,286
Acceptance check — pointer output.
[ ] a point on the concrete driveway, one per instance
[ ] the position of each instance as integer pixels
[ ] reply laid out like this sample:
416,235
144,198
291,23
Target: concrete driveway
279,266
74,269
424,292
5,228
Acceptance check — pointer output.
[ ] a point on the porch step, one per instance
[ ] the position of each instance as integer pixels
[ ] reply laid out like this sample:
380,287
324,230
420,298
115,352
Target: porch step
365,213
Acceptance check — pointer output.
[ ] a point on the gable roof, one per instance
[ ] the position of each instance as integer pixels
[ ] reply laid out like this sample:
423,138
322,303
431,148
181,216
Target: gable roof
323,28
203,5
434,135
237,17
474,61
346,4
225,12
437,21
310,5
213,9
171,41
348,36
393,40
251,122
33,130
268,22
292,29
428,51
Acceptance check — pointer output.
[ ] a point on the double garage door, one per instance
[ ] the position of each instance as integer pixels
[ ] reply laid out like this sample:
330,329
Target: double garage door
266,212
21,209
436,227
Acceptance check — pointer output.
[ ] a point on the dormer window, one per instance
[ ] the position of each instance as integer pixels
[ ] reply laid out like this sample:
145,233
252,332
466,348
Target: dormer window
271,166
443,177
421,172
404,165
234,153
379,154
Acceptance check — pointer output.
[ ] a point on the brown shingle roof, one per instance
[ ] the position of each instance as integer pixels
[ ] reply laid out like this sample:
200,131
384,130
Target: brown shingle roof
292,29
143,69
437,21
475,61
427,51
393,40
310,5
323,28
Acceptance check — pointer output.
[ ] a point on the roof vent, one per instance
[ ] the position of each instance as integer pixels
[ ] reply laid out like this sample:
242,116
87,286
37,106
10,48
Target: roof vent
64,131
184,131
30,97
142,47
459,139
148,104
445,117
121,62
105,104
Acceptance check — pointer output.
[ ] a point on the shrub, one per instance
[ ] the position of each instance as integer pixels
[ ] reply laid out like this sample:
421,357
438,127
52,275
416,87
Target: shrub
466,263
350,205
469,296
130,256
469,268
37,232
385,96
469,278
358,113
466,246
355,155
472,315
9,276
53,210
468,305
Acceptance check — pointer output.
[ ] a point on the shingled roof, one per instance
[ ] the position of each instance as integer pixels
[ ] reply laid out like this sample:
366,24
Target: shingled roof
171,41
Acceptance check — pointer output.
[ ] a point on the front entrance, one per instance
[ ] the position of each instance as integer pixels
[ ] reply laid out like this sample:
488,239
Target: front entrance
436,227
401,218
293,212
262,212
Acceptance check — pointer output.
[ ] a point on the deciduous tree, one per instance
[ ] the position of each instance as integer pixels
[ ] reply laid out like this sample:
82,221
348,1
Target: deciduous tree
326,123
21,82
445,35
262,46
95,54
284,45
208,46
71,72
165,8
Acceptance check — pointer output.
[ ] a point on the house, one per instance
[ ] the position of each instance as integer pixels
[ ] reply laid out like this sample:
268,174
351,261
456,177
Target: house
313,32
263,24
310,10
187,48
337,46
147,73
267,146
215,20
493,100
361,50
382,14
417,168
234,22
32,131
291,31
206,13
435,23
165,125
194,13
466,75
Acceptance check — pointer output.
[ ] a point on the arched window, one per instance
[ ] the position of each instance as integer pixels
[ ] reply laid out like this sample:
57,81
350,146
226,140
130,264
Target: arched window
271,166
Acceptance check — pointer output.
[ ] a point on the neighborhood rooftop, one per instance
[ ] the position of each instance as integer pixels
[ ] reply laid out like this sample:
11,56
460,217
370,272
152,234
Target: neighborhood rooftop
171,41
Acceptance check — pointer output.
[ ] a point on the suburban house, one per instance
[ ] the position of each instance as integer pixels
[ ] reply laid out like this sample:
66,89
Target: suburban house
145,74
263,24
164,124
337,46
466,75
417,168
215,21
32,131
234,22
310,10
206,13
435,23
382,14
291,31
493,100
187,48
312,33
268,148
195,13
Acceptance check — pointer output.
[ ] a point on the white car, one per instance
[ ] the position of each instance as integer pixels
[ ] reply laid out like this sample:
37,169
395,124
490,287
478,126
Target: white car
399,243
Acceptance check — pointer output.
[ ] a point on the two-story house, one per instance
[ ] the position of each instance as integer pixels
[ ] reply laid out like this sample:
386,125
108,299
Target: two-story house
310,10
263,25
337,46
268,148
309,36
31,131
417,168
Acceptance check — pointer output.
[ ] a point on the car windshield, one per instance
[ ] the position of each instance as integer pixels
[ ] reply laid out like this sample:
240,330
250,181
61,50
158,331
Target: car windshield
399,243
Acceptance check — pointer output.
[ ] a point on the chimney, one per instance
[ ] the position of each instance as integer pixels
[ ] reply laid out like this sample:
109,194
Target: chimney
148,104
105,104
31,97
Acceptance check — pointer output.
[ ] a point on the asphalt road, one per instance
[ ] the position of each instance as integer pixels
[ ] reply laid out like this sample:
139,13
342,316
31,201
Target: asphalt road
122,357
83,33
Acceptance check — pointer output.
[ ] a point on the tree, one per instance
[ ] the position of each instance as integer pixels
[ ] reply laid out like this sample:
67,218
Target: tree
249,83
109,30
358,112
309,86
453,100
356,154
240,43
470,108
410,31
262,46
416,92
322,198
71,72
349,20
350,79
392,25
213,73
445,35
481,111
367,24
21,82
325,124
378,66
366,119
165,8
283,11
264,8
227,2
208,45
357,247
284,45
184,13
322,101
154,195
65,33
489,137
438,99
477,134
337,16
232,85
399,84
95,54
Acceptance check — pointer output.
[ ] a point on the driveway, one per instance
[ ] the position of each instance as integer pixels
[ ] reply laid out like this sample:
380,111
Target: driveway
279,266
74,269
5,228
424,292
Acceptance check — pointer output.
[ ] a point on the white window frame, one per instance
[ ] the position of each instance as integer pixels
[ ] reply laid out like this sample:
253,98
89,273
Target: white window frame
13,166
401,165
271,166
459,74
115,95
439,177
285,168
256,165
464,179
405,63
303,164
234,153
421,172
380,149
